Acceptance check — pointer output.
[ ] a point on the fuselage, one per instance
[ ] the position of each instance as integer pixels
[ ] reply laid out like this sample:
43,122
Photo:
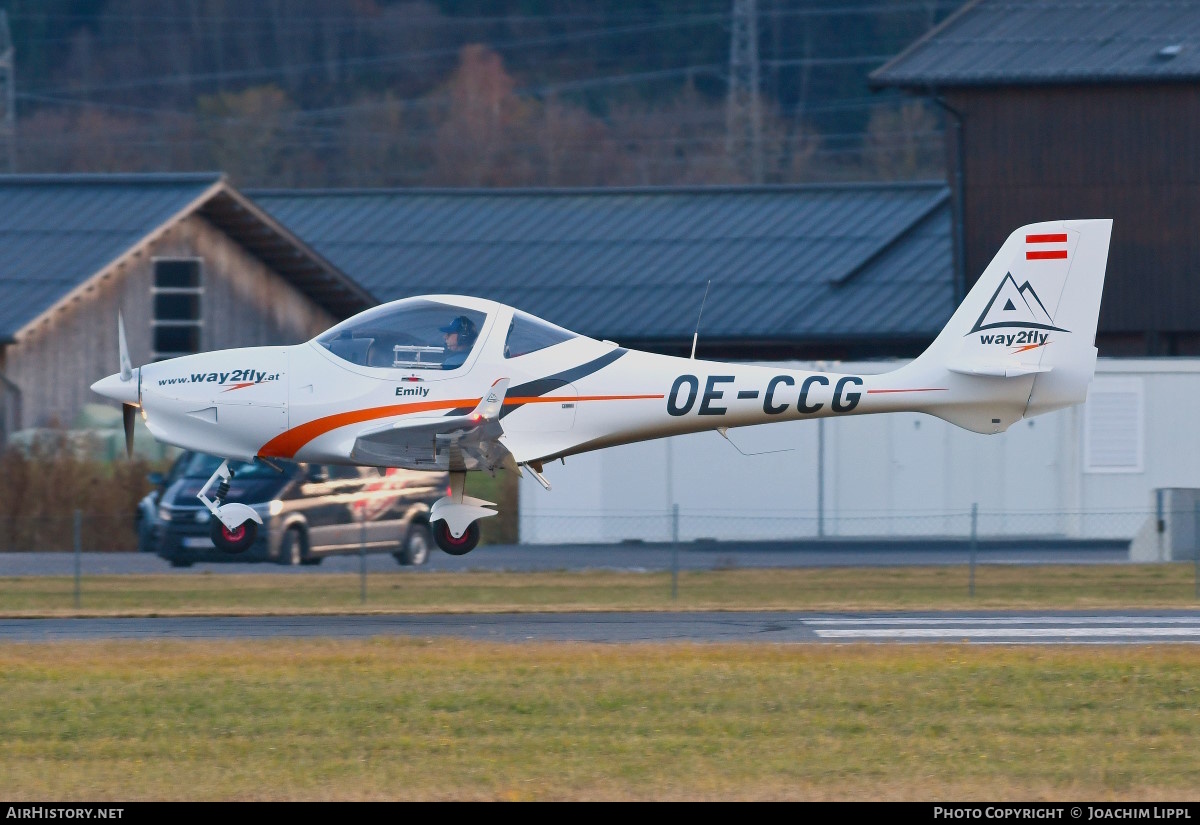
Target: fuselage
450,382
307,402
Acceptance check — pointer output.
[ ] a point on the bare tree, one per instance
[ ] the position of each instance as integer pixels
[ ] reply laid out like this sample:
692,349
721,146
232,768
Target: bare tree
903,143
248,133
474,143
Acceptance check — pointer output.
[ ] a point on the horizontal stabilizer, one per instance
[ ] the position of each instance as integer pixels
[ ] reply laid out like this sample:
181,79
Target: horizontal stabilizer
999,369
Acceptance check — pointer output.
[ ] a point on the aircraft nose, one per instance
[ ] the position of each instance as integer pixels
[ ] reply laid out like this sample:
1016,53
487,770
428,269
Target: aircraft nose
113,387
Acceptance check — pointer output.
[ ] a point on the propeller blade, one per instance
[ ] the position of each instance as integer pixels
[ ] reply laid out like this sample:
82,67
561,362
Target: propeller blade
128,412
126,364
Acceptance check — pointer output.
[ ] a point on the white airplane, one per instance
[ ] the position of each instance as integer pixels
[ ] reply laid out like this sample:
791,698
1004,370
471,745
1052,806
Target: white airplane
461,384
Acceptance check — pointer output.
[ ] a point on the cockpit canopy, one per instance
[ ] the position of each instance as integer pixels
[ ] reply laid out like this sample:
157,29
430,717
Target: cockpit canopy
528,334
415,333
420,333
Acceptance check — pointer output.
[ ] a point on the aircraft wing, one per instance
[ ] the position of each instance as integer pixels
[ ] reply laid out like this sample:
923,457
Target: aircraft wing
455,443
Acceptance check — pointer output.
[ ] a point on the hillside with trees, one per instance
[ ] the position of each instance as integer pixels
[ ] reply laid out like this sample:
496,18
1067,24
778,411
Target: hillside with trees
303,93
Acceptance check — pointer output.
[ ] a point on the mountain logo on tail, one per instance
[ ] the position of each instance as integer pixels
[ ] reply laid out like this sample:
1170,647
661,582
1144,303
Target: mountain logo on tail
1015,306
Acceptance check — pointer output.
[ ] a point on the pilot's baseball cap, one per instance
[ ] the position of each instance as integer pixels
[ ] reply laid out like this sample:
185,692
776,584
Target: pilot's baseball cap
460,325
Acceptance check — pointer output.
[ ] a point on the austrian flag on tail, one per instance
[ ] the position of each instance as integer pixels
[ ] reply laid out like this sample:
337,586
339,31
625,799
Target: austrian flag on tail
1046,247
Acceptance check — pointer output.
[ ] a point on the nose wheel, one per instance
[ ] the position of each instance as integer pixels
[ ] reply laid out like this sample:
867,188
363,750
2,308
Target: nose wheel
234,540
459,546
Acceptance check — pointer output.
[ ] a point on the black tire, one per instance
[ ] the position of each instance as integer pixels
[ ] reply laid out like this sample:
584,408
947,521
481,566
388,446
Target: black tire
414,550
291,547
455,546
233,541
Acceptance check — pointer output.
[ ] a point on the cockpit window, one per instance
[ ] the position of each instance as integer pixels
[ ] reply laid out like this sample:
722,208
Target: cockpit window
410,334
527,334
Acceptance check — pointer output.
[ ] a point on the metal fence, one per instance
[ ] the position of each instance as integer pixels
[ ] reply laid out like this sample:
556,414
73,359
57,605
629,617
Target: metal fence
119,533
89,541
692,524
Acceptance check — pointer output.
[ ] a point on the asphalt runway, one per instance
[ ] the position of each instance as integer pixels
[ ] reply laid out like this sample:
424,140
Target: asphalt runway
1099,627
774,627
633,557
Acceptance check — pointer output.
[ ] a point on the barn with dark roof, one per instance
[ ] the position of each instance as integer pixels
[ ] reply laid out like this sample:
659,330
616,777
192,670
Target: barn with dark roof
191,263
1079,109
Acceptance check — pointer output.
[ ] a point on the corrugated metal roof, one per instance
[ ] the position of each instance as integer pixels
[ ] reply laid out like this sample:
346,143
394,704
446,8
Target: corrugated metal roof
1004,42
787,264
57,231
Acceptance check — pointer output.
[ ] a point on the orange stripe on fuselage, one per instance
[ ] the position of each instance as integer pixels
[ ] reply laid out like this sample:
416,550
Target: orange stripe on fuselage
287,444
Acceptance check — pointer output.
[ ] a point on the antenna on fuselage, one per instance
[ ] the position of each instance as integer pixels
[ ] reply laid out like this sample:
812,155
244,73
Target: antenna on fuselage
696,334
724,433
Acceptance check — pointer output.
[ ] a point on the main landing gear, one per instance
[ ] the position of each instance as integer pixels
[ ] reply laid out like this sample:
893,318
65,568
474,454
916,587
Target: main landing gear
454,518
456,546
234,526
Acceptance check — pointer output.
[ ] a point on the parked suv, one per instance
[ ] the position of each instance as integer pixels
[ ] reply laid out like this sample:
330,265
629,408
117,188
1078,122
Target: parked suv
309,511
146,517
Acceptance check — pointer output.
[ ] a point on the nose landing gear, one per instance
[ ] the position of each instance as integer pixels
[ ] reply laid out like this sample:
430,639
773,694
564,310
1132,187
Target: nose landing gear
234,526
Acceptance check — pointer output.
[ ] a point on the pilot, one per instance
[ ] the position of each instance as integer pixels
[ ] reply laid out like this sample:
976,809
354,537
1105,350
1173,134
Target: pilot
460,337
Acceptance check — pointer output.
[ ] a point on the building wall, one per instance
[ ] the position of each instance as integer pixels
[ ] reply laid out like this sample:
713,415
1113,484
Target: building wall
1123,152
1085,472
10,418
244,304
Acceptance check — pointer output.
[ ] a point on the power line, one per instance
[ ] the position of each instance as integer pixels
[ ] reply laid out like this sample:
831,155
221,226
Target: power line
8,68
743,108
718,14
347,63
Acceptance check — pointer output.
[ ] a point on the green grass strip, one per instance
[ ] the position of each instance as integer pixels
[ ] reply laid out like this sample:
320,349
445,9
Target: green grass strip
898,588
439,719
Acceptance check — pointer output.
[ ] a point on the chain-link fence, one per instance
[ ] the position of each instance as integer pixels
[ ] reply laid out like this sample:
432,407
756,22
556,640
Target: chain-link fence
86,569
119,532
688,524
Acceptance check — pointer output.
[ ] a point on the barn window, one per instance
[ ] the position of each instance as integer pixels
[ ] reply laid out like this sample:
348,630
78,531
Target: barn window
177,319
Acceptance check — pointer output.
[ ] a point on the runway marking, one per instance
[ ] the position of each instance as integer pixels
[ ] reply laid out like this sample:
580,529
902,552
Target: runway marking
992,633
998,620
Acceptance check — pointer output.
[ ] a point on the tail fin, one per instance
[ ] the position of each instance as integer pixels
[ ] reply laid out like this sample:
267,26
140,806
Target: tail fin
1022,343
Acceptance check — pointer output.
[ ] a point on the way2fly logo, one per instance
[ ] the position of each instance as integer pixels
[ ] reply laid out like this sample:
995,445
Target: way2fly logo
237,379
1020,307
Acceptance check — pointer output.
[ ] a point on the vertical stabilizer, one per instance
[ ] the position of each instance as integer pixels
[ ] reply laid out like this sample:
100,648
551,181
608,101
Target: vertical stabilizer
1023,341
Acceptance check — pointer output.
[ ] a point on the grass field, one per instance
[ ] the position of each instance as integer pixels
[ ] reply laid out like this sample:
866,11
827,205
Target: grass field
448,719
440,719
901,588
